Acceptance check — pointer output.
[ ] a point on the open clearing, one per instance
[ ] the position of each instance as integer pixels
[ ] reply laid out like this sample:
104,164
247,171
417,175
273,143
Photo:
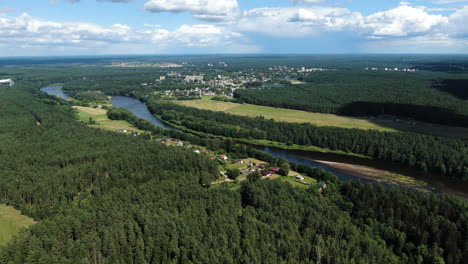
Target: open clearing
281,114
11,222
319,119
100,116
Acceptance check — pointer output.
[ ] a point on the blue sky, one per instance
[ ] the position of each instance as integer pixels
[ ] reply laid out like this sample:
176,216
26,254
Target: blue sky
87,27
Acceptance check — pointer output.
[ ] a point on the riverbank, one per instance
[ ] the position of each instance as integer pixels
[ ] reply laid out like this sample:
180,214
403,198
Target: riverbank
311,157
350,166
266,143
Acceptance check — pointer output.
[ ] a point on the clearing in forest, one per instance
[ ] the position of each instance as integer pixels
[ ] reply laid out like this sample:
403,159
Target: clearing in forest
100,116
11,222
282,114
320,119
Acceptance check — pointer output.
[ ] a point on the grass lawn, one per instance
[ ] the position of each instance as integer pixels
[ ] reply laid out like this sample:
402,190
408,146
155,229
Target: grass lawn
11,222
100,116
320,119
296,183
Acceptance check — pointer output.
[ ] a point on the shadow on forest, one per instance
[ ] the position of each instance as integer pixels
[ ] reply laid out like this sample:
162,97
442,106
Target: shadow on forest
455,87
421,113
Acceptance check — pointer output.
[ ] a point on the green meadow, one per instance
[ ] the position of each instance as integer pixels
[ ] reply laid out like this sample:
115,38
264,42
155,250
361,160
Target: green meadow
11,222
320,119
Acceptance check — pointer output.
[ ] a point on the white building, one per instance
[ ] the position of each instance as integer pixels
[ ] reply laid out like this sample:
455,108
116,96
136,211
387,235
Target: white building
7,82
194,78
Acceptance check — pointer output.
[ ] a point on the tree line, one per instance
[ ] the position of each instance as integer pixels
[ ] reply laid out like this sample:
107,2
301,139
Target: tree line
427,153
357,93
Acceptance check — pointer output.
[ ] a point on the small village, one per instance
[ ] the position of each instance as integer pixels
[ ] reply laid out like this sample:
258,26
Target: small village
236,170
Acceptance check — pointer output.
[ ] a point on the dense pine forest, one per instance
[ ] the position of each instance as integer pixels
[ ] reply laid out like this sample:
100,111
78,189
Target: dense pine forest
104,197
442,155
367,93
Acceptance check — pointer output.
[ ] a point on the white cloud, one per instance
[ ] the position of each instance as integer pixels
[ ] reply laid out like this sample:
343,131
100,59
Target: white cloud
209,10
458,21
434,43
33,33
403,20
297,21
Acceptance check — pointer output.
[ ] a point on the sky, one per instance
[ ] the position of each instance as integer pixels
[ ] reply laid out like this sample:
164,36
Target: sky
106,27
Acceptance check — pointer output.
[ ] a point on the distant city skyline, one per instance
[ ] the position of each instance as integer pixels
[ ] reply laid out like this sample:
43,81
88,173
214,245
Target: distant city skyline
107,27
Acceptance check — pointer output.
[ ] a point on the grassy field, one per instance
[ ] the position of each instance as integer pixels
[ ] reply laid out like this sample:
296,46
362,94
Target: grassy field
11,222
99,115
297,183
287,115
281,114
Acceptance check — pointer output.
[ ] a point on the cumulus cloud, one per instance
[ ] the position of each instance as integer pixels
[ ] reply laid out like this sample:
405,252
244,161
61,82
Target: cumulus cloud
458,21
209,10
406,22
297,21
403,21
33,32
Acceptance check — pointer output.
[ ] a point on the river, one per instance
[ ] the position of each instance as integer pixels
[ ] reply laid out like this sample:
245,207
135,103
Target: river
344,167
139,109
55,89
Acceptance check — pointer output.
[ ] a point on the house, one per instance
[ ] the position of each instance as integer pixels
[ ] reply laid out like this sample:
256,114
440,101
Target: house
300,177
268,173
240,161
197,151
223,157
135,133
261,166
7,82
205,151
275,169
322,185
244,172
180,144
